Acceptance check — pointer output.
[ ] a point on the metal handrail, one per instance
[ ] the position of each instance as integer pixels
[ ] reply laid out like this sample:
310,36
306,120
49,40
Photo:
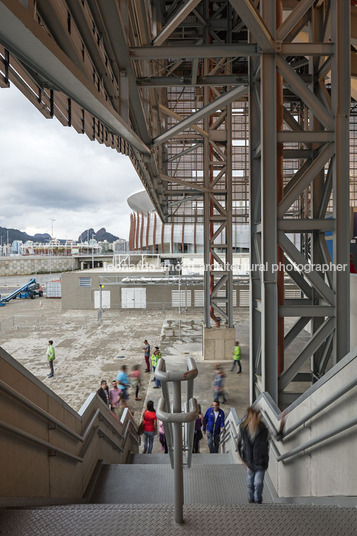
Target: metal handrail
176,376
84,438
173,419
177,417
335,396
26,402
37,441
317,440
308,444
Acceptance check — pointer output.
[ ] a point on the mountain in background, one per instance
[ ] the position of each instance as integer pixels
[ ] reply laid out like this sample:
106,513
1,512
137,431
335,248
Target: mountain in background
14,234
100,235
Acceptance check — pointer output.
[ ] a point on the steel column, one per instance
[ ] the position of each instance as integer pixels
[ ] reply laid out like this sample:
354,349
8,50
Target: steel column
269,373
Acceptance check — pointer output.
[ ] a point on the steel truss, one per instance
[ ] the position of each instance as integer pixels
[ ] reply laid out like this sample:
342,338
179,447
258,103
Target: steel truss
312,201
167,82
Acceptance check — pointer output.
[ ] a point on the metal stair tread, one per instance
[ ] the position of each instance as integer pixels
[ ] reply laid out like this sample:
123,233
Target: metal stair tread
142,483
248,520
196,459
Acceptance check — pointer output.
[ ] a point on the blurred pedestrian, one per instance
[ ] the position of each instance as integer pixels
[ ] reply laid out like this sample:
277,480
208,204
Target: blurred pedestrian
103,392
123,381
253,448
123,403
51,358
114,398
146,349
218,385
162,437
237,358
154,361
197,436
150,427
213,423
135,380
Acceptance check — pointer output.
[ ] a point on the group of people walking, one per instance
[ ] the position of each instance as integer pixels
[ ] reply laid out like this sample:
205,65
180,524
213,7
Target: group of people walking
116,397
253,437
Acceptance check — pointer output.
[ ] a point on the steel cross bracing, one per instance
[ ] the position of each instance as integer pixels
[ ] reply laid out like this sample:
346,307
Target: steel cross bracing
315,120
167,83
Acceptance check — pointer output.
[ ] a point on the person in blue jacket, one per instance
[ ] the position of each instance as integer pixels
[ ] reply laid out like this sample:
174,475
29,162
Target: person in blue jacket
213,424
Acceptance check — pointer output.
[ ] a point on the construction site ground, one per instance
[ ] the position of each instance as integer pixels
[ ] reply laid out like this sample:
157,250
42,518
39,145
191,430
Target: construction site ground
87,352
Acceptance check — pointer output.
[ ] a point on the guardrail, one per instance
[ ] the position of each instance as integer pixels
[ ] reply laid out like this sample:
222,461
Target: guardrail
321,419
175,419
27,429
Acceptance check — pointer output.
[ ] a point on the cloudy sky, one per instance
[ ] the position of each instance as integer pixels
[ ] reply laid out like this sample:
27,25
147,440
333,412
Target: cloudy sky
50,171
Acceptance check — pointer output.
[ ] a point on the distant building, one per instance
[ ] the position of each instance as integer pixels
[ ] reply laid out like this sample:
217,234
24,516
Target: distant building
16,247
149,234
120,246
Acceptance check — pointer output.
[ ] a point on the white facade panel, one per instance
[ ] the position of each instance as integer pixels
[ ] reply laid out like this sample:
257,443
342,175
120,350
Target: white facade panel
199,297
105,299
54,289
133,298
181,298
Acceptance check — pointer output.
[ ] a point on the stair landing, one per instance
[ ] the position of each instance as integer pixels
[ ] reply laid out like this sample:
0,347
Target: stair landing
154,484
153,520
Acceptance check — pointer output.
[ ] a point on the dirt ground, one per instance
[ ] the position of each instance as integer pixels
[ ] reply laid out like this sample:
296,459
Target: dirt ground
86,351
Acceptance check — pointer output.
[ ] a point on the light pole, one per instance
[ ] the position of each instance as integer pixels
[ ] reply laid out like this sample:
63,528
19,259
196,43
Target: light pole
100,304
52,220
93,251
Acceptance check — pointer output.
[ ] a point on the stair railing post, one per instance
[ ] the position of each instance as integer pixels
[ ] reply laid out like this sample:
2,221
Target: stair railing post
176,418
178,460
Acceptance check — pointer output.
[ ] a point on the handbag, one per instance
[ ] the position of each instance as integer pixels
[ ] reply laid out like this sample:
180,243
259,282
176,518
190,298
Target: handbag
141,428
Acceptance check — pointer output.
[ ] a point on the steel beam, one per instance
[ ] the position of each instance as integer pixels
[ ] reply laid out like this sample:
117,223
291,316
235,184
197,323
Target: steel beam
269,211
255,24
185,151
293,18
177,81
295,330
175,21
310,347
306,179
28,42
182,182
302,90
190,52
216,104
305,225
255,290
340,101
307,311
312,276
306,137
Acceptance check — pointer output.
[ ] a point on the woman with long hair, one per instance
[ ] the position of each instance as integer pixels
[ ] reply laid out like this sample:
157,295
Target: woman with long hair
150,427
253,448
197,436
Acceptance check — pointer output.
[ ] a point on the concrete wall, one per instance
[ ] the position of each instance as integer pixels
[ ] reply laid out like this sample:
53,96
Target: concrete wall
158,296
329,468
36,264
218,343
33,471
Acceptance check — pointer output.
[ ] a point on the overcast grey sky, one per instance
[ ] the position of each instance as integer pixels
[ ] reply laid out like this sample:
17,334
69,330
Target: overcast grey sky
51,171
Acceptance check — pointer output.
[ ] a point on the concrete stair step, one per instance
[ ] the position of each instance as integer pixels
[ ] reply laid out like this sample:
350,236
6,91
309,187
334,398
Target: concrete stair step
247,520
154,483
212,459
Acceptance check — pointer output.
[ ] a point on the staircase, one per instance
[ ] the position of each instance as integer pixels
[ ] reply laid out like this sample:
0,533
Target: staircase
152,482
137,499
48,462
